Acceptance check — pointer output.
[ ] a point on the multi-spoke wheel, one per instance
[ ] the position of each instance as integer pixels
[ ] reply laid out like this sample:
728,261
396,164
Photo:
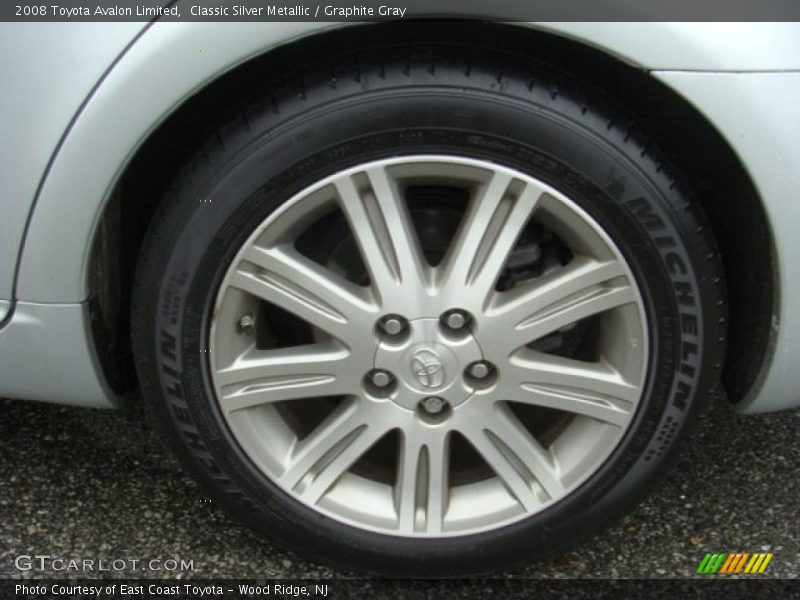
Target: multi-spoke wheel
422,379
417,322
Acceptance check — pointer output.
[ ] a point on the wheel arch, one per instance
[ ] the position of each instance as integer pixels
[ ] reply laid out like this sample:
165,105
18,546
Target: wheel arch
116,219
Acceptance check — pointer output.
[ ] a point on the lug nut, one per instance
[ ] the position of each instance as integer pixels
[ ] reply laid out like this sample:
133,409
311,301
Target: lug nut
247,324
433,404
380,378
393,324
455,319
480,370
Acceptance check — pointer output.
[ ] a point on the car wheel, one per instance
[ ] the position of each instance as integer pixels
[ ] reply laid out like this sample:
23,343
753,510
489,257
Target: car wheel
425,316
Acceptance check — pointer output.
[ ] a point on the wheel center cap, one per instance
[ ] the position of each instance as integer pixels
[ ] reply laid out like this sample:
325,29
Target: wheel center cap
427,367
430,361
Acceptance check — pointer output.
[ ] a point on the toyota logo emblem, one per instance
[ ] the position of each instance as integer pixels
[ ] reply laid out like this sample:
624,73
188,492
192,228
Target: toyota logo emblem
427,368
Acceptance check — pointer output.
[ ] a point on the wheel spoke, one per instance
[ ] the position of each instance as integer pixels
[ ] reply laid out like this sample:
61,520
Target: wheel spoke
380,222
319,460
490,228
422,490
515,456
580,289
594,390
306,289
266,376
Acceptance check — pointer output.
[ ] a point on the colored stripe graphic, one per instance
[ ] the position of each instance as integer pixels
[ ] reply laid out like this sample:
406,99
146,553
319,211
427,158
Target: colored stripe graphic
711,563
764,564
734,563
755,562
739,564
732,558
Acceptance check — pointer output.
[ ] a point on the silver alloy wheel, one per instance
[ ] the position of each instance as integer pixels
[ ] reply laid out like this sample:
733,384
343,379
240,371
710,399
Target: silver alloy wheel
427,359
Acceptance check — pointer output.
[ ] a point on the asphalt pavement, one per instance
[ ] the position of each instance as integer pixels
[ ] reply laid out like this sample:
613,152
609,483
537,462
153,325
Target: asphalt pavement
79,483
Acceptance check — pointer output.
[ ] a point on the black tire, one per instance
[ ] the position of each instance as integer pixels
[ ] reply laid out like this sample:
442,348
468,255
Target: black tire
385,102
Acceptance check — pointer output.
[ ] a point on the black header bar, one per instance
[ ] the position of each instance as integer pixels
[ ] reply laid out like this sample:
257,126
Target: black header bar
387,10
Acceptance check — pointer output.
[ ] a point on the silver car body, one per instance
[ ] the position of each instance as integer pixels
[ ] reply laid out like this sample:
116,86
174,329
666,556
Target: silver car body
80,98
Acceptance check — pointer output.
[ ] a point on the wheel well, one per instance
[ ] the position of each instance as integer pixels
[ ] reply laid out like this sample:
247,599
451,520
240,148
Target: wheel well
711,169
